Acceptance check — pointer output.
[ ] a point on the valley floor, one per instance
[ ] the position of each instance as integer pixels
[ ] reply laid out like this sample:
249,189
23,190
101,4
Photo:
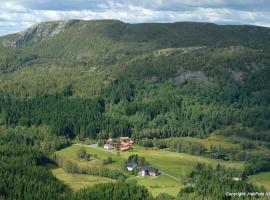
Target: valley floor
175,166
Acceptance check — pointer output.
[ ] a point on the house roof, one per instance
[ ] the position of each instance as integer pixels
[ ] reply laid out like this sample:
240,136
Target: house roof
125,147
132,165
149,169
124,138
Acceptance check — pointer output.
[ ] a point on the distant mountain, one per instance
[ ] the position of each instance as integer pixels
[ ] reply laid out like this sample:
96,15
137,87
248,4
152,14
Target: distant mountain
106,42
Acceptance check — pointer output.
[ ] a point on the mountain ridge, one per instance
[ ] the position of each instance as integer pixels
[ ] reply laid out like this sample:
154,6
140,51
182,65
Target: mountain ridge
156,29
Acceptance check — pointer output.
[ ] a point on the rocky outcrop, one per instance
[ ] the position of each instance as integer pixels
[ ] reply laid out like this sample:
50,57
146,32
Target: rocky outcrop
184,76
37,33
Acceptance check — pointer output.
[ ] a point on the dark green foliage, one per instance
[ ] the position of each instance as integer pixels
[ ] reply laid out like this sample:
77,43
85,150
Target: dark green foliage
65,116
143,110
164,196
246,133
121,89
206,181
135,159
257,163
82,154
22,171
119,191
175,145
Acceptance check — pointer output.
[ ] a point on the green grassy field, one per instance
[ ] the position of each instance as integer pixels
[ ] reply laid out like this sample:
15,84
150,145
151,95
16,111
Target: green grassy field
160,184
70,154
261,179
78,181
175,164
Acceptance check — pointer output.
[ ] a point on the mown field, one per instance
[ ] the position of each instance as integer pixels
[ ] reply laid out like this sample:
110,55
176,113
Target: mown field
160,184
78,181
177,165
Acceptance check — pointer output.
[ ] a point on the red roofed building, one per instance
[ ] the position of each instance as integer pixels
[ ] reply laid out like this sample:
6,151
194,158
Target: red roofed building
125,143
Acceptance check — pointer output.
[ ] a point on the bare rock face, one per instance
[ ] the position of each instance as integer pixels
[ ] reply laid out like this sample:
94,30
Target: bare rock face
183,76
37,33
170,51
10,41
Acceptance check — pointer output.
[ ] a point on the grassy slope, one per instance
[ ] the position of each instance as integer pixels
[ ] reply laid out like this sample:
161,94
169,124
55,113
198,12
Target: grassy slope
261,179
78,181
160,184
175,164
70,154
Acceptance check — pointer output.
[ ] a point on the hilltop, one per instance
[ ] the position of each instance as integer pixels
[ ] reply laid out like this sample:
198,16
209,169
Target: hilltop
107,42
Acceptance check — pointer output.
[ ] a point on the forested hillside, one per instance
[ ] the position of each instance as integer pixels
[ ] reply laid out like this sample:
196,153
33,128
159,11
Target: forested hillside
151,82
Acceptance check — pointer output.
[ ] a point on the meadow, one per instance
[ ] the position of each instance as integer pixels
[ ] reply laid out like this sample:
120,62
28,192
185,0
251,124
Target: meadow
78,181
176,165
261,179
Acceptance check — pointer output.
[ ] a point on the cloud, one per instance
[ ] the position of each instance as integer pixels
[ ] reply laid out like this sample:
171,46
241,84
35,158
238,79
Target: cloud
16,15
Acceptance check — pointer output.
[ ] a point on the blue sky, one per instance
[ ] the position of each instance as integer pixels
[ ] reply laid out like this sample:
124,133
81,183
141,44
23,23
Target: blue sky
17,15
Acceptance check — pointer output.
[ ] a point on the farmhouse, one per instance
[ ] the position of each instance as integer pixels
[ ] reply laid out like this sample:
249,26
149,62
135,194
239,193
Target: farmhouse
149,171
126,140
108,147
131,166
125,143
125,147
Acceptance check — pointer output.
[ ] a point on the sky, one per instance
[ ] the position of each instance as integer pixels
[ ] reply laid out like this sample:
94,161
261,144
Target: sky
17,15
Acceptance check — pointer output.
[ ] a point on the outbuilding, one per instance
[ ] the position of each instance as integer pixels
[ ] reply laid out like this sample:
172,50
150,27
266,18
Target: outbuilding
108,147
131,166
